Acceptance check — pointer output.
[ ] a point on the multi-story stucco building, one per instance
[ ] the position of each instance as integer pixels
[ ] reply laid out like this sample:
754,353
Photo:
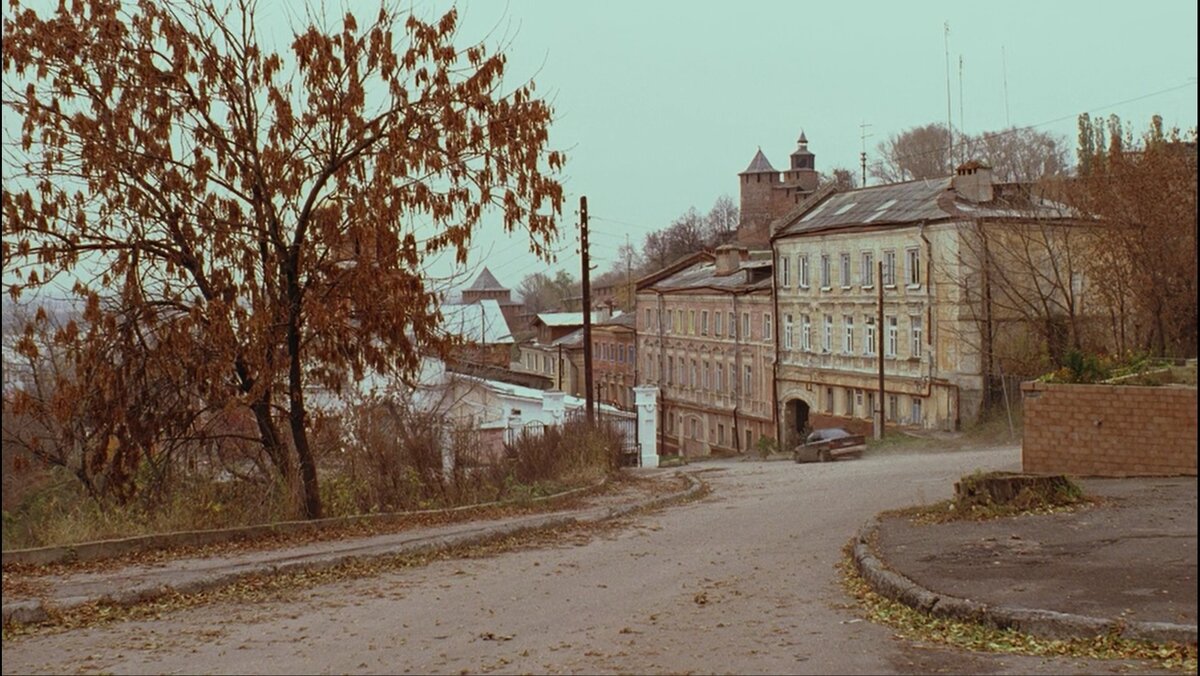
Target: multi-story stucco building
614,360
829,253
704,333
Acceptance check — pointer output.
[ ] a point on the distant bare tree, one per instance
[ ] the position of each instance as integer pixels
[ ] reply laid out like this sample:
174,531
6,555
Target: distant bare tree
916,153
721,221
843,178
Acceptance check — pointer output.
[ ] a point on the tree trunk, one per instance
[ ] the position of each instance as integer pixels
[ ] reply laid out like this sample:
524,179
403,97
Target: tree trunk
296,410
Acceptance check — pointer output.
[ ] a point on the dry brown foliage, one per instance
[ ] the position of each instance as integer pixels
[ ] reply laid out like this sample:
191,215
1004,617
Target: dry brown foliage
244,224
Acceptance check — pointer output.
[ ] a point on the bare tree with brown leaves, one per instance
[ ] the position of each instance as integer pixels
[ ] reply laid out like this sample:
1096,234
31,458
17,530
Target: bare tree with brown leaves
258,220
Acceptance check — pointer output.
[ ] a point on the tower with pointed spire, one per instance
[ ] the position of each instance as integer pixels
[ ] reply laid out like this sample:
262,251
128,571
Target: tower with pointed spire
767,194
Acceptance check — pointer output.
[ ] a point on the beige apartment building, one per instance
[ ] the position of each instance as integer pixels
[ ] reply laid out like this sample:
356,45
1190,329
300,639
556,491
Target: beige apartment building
828,252
704,335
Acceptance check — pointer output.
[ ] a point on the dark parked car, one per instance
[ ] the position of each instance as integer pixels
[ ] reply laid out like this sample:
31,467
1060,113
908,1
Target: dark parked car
827,444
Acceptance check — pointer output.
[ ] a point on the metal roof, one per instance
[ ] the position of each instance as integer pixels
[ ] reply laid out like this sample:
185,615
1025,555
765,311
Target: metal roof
760,164
703,275
486,281
568,318
895,203
480,322
911,202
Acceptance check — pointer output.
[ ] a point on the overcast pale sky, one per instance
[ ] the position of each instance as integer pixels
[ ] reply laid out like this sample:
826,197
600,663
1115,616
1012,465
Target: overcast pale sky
660,104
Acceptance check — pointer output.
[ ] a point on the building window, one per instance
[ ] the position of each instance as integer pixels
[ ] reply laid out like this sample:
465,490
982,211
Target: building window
827,335
917,326
670,370
704,375
849,401
768,333
870,337
621,353
692,325
632,351
893,406
802,270
695,428
719,377
695,374
732,326
805,333
868,269
913,266
870,412
889,268
826,274
787,332
829,400
916,418
785,272
749,440
847,334
845,271
675,319
719,324
648,315
704,322
720,434
748,384
746,325
893,337
732,380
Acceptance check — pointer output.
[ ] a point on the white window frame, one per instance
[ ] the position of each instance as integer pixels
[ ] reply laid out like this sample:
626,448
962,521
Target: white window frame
827,335
915,413
718,323
870,337
867,274
892,342
889,269
826,273
748,383
785,272
802,271
912,267
806,333
746,333
768,328
916,330
719,378
787,331
732,325
704,322
847,277
848,334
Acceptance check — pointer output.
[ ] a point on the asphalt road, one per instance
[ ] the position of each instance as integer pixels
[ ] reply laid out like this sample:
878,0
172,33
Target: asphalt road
742,581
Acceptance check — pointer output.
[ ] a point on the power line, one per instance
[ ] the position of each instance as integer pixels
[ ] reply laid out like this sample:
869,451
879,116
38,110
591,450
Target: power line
1015,130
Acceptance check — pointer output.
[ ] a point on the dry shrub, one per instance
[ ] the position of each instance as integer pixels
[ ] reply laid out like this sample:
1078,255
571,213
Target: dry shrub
574,451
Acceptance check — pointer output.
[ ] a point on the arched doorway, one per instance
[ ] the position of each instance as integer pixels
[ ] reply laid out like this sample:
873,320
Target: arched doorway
796,421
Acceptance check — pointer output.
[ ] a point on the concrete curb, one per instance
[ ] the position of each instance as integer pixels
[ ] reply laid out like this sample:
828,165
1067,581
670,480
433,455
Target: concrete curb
26,612
1041,623
105,549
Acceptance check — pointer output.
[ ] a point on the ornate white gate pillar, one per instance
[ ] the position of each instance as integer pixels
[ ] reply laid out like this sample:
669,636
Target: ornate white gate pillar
646,400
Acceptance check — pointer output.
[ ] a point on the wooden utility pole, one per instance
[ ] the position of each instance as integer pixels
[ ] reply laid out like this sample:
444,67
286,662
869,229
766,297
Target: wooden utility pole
879,339
589,396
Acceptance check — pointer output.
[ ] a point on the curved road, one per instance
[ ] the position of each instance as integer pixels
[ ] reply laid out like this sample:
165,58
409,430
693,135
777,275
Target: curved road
742,581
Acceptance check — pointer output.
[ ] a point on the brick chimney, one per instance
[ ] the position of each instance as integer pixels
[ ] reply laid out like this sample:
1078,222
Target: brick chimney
730,258
973,182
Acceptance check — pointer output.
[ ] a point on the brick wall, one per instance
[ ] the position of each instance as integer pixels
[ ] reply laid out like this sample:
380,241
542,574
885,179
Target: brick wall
1109,430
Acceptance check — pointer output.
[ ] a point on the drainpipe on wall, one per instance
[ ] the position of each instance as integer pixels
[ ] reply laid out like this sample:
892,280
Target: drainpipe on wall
662,379
930,324
776,348
737,376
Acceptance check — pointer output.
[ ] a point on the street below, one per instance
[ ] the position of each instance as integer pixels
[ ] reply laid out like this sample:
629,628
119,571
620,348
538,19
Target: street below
743,580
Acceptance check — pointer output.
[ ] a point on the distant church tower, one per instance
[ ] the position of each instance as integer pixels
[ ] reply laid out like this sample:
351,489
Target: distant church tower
767,195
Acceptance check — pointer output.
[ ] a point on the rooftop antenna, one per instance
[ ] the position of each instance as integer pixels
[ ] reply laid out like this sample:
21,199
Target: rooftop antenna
949,120
1004,71
962,126
863,135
